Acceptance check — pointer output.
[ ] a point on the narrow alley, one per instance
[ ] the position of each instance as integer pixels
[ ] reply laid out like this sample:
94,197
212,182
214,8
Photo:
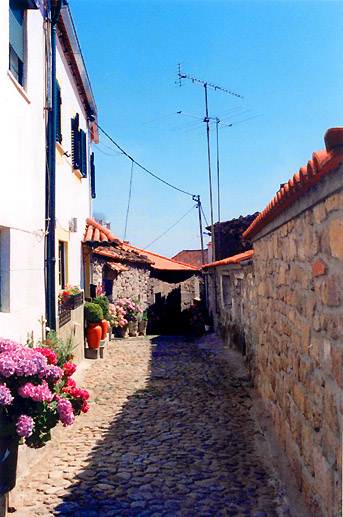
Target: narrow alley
170,432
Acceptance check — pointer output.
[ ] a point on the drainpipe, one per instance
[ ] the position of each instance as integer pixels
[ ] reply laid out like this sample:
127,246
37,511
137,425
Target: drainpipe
51,180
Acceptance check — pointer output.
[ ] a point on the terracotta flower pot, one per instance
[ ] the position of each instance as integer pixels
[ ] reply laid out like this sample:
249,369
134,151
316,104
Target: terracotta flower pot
104,327
94,331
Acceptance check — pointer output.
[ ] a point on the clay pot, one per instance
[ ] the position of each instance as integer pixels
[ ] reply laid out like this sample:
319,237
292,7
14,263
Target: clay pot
104,328
8,460
94,331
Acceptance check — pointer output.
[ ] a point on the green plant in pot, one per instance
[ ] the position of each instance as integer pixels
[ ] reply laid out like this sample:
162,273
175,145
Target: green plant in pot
104,303
93,315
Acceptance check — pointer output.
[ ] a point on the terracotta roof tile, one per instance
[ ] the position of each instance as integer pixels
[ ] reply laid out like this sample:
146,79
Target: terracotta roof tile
322,163
97,234
162,263
236,259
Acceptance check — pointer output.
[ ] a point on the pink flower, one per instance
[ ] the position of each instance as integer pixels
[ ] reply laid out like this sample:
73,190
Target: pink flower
65,411
25,425
40,393
49,354
5,395
69,368
54,372
7,366
85,408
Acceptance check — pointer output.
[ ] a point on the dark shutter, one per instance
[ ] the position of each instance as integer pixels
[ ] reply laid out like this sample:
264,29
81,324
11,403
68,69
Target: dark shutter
92,174
75,142
83,152
16,19
58,122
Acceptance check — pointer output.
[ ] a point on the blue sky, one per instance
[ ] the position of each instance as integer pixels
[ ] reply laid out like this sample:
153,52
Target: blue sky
284,58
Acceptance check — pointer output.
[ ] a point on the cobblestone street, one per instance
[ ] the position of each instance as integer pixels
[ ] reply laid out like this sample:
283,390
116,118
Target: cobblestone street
169,432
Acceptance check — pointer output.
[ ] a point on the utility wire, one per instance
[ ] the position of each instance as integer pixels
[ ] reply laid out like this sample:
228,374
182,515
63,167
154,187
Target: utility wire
163,234
144,169
203,213
129,201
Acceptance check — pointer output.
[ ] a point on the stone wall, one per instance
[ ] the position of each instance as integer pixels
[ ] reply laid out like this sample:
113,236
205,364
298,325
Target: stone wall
291,316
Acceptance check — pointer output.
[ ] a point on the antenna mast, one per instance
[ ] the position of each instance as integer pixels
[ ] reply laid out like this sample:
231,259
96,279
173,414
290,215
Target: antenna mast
214,87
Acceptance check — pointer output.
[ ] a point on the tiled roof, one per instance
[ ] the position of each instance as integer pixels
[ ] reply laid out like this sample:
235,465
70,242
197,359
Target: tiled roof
118,254
236,259
322,164
117,267
191,257
162,263
96,234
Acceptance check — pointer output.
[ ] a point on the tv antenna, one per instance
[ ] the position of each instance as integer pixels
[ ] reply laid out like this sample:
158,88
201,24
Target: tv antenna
206,119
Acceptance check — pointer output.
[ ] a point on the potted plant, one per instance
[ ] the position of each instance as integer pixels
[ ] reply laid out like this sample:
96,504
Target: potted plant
104,304
117,319
70,297
93,315
35,394
132,309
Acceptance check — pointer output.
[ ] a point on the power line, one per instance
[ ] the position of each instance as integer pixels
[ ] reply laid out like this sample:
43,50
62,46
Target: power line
171,227
193,196
129,201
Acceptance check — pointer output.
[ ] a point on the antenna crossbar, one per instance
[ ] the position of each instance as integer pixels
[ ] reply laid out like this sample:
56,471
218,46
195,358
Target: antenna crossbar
205,83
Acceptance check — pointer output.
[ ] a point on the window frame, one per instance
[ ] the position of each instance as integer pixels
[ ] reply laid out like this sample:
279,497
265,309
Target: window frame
17,57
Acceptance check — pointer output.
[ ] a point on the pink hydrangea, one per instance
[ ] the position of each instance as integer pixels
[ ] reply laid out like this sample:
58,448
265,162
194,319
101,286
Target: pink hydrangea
65,411
25,425
5,395
40,393
69,368
7,365
55,372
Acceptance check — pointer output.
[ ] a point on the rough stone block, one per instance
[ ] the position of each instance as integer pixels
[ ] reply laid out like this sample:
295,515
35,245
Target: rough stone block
337,364
336,238
331,410
299,397
332,291
318,268
334,202
323,478
308,440
319,213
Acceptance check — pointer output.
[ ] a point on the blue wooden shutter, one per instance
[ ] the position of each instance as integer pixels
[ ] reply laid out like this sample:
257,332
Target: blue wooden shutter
92,174
75,142
83,152
59,124
16,19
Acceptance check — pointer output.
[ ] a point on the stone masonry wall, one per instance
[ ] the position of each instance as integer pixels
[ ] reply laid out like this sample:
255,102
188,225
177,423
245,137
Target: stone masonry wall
295,345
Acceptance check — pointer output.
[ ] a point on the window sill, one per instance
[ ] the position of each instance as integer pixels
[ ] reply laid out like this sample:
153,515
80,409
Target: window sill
18,86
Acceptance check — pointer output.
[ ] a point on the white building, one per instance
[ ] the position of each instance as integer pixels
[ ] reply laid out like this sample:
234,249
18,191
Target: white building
27,192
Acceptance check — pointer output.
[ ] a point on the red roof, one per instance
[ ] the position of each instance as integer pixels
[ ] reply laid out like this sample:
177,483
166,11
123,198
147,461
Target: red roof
322,164
236,259
190,257
97,234
160,262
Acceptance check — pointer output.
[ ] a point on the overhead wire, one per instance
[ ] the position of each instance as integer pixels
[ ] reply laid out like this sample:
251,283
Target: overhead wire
193,196
170,228
129,202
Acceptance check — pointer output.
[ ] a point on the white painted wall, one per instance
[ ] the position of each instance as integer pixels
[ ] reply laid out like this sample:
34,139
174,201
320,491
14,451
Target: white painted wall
22,181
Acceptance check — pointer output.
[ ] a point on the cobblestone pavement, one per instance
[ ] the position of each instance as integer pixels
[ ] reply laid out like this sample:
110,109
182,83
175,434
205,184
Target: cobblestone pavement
169,433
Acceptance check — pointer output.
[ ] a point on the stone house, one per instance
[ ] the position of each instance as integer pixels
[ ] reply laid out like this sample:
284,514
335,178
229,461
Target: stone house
48,181
284,308
125,271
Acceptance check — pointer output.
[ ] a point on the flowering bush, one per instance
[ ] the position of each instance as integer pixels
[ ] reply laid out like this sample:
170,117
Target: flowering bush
99,290
117,315
35,393
55,345
131,308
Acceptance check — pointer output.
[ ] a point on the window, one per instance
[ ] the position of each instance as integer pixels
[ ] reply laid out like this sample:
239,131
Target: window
59,123
62,264
92,173
78,147
226,290
17,41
